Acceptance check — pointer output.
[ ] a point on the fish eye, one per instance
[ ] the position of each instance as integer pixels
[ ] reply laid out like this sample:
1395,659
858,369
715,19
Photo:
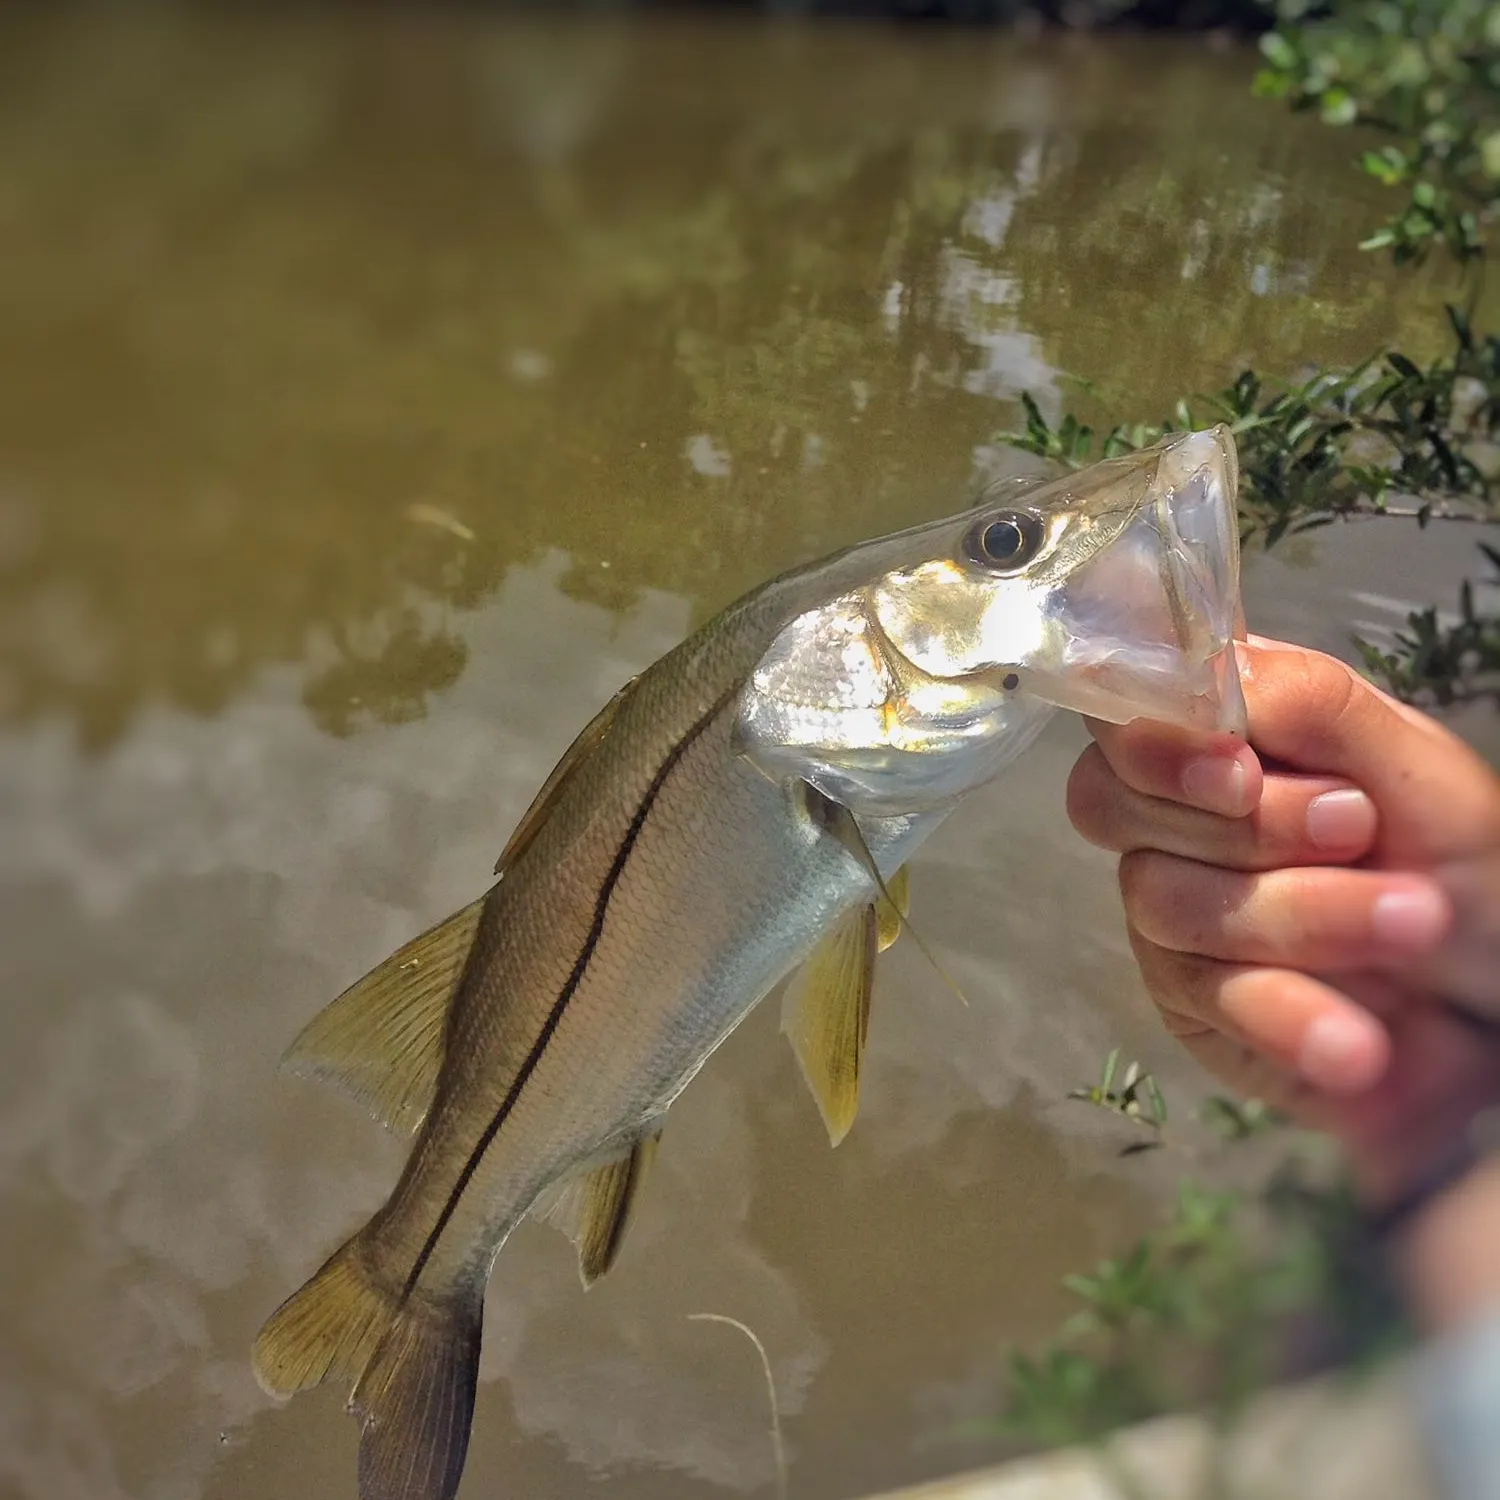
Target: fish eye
1005,542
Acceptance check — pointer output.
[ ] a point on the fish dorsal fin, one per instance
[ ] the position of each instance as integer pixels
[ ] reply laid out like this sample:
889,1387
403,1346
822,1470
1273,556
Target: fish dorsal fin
891,915
595,1208
382,1040
541,805
825,1013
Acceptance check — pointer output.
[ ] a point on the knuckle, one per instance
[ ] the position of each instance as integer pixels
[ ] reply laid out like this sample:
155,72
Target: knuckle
1182,1024
1324,695
1184,987
1157,898
1135,886
1091,789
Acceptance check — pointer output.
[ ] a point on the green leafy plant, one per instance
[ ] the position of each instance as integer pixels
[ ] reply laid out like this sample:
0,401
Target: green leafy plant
1422,72
1138,1098
1212,1306
1390,437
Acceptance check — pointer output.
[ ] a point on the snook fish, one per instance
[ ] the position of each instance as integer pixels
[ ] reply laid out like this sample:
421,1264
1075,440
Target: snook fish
744,807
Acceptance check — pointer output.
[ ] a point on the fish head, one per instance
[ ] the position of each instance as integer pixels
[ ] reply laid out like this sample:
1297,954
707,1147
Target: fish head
1112,591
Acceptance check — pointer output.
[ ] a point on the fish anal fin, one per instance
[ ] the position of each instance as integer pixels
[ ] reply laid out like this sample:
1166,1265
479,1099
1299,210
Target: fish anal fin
382,1039
825,1014
541,805
329,1327
595,1209
891,914
415,1400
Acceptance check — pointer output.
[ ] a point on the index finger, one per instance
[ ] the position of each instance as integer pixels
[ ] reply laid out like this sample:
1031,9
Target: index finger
1216,773
1436,797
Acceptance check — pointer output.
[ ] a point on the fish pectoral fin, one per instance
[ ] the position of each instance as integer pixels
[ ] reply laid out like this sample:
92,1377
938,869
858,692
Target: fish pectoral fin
541,805
596,1208
825,1013
893,903
382,1039
891,914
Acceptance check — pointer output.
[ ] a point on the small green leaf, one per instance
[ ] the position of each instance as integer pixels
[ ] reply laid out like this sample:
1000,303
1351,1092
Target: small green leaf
1388,165
1278,51
1339,107
1459,321
1107,1078
1489,154
1158,1101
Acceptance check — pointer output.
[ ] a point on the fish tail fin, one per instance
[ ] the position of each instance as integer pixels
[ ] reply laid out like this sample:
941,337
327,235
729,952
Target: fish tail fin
413,1362
415,1399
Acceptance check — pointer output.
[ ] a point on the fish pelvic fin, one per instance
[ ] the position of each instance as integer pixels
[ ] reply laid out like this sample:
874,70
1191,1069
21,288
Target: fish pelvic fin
597,1207
893,908
413,1363
825,1014
382,1040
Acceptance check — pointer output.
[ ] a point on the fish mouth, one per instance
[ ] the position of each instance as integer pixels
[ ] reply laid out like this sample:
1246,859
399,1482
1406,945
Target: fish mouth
1146,627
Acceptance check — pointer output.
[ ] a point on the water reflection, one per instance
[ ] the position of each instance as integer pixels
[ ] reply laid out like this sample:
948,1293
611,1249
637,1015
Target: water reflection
375,398
695,301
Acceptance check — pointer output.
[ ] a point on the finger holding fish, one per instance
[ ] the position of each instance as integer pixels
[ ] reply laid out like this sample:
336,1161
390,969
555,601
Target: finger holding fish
1267,1033
1312,918
1296,819
1215,773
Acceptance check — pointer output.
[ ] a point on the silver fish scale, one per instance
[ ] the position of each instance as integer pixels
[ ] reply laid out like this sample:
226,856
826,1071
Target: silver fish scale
727,886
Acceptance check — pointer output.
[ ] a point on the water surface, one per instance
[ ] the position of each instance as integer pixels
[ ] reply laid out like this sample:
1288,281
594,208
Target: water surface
376,396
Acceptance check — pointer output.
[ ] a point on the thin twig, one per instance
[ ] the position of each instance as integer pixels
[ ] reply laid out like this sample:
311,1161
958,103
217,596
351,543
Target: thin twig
776,1444
1364,510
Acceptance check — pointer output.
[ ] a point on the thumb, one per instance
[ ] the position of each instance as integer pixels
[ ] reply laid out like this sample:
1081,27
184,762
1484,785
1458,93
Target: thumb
1437,799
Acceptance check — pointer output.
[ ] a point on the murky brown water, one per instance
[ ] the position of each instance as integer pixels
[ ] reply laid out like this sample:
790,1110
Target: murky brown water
374,398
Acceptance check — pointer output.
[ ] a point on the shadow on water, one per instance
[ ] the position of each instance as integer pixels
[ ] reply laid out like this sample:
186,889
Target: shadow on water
376,396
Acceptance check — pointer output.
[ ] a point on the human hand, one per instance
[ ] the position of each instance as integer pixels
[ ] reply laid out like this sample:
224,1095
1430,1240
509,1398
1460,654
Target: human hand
1308,917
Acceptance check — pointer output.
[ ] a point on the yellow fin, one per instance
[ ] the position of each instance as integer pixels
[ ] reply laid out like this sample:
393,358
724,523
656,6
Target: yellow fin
597,1207
328,1327
413,1363
891,914
541,805
843,825
825,1013
382,1039
415,1399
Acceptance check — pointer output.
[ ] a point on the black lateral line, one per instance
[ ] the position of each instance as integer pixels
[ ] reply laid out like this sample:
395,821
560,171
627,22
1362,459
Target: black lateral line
560,1005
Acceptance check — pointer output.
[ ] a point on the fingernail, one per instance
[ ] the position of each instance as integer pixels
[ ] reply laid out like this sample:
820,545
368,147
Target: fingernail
1216,784
1341,1052
1344,819
1412,919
